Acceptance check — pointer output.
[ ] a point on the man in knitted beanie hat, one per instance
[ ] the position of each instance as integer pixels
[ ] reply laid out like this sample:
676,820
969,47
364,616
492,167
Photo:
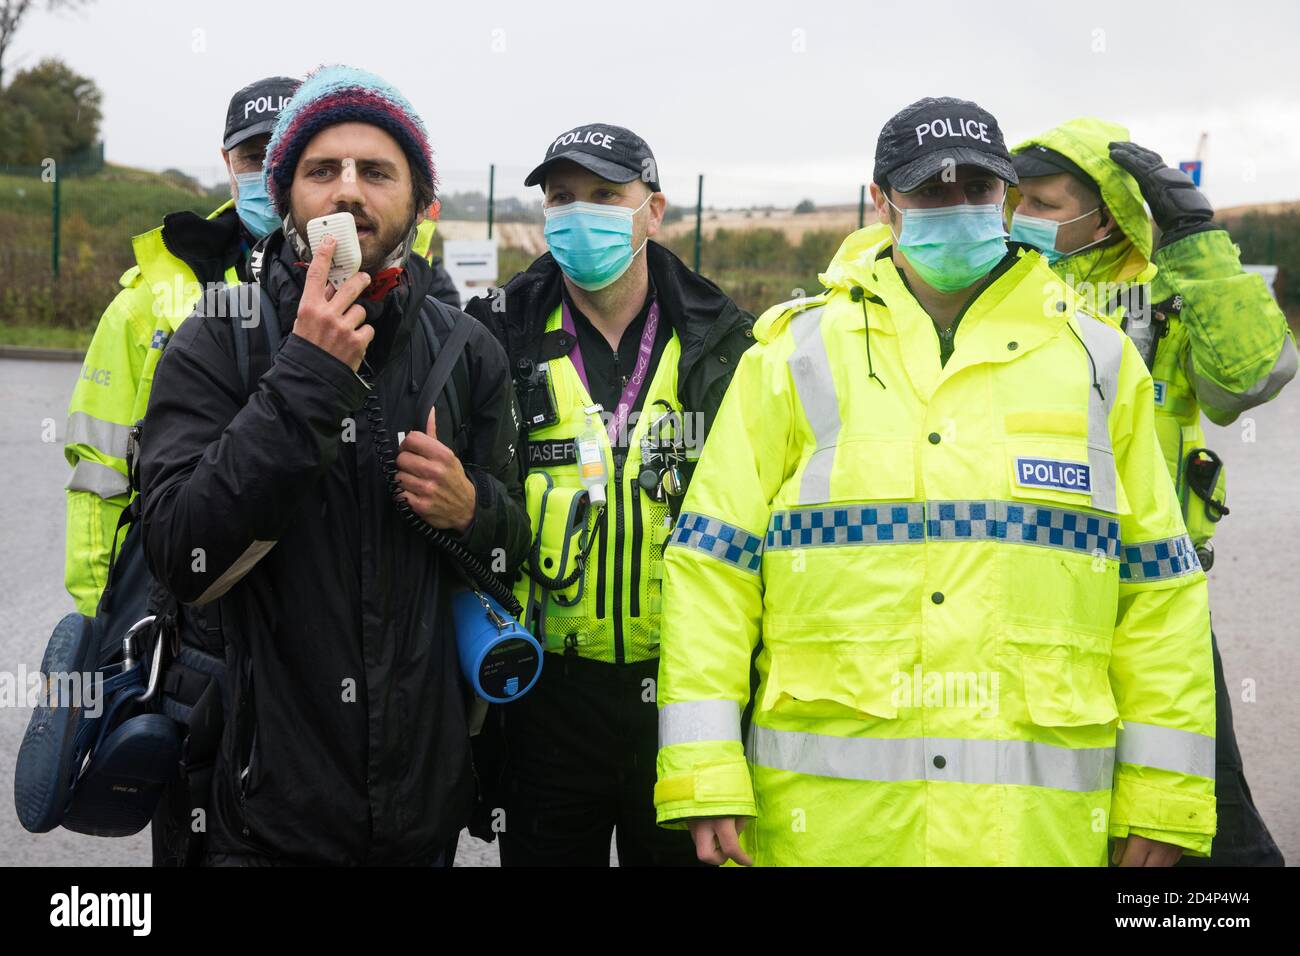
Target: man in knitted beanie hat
289,420
363,134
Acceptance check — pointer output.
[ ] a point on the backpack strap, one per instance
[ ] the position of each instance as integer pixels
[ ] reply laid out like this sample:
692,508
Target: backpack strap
266,318
241,347
449,358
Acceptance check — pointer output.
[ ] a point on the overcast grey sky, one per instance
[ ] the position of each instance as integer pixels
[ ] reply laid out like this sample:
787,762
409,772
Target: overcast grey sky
770,99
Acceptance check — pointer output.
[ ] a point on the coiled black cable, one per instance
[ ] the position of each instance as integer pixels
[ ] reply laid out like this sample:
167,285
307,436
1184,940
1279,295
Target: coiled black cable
474,571
580,562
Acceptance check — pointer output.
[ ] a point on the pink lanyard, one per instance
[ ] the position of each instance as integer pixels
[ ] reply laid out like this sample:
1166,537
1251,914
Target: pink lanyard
634,384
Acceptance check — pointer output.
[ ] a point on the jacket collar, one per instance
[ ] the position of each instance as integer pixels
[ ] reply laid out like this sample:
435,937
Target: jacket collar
206,246
283,277
1023,306
700,313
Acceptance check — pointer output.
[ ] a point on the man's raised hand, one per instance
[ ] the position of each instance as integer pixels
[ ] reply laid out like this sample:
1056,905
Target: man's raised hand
330,318
434,482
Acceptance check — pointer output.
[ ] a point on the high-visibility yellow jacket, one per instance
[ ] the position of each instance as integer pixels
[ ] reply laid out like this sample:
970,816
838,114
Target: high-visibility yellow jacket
982,632
157,293
1227,346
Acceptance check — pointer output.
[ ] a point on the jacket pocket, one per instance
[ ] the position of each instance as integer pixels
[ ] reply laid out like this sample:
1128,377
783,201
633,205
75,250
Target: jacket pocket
1053,470
866,469
1063,693
830,682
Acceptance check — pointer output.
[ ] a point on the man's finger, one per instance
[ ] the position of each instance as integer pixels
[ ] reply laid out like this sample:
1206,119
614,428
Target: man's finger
355,316
1135,853
729,840
426,446
706,850
365,335
431,427
350,290
426,468
319,269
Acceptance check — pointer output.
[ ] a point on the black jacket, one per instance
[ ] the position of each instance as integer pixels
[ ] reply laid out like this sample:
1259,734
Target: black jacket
442,286
345,739
713,330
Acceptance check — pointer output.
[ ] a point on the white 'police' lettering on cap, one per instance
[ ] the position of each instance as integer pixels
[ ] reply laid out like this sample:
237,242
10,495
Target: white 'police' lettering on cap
265,104
587,137
953,126
1053,473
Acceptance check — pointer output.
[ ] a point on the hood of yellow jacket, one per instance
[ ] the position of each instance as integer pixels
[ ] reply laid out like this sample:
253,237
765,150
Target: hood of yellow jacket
1086,142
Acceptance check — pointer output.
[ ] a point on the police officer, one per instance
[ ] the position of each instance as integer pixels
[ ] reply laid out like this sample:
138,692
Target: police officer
173,264
1212,336
621,355
932,504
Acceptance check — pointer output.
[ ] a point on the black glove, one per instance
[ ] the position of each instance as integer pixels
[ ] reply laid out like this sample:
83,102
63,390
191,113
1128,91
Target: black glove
1177,206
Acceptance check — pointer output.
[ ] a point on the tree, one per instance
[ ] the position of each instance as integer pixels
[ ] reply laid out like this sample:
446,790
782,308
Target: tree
805,206
12,13
49,111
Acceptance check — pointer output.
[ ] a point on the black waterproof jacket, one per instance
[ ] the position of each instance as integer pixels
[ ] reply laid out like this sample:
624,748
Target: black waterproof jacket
345,739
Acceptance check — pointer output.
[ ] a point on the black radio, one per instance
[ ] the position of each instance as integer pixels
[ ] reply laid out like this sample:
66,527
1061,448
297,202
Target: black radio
535,393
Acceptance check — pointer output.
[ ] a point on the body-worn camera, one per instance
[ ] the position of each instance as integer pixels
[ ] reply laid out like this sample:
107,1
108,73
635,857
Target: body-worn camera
535,393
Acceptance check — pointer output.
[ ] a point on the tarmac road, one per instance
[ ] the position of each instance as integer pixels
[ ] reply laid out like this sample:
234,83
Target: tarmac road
1255,593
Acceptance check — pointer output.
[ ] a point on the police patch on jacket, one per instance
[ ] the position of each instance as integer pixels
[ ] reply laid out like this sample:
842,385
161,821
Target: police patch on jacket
563,451
1052,473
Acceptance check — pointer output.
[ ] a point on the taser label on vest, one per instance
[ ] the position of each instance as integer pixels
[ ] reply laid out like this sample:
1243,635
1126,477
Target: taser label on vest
1051,473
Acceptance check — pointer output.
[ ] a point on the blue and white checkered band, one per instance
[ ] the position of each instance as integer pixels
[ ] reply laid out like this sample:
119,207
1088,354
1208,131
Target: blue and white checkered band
159,339
1157,560
915,522
847,525
723,541
1023,524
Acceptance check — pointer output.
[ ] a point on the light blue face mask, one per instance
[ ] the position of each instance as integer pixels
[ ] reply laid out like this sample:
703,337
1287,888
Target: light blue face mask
592,242
1041,234
254,206
952,247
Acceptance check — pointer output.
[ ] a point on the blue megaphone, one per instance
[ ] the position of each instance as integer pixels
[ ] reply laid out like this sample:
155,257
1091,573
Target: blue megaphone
498,656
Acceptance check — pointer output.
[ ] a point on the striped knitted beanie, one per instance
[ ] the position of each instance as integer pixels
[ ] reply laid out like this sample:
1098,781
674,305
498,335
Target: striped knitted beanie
344,94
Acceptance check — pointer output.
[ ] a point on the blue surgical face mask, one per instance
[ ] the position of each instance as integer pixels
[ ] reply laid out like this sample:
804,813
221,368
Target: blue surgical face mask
1041,234
254,206
952,247
592,242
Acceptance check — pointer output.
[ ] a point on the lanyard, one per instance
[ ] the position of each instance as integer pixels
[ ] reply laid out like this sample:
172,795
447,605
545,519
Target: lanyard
639,374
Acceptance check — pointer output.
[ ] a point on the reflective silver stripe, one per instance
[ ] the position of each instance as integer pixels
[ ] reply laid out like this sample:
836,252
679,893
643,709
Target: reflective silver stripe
1006,762
1157,560
811,370
1105,346
1180,751
98,479
1220,399
693,720
243,564
108,438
